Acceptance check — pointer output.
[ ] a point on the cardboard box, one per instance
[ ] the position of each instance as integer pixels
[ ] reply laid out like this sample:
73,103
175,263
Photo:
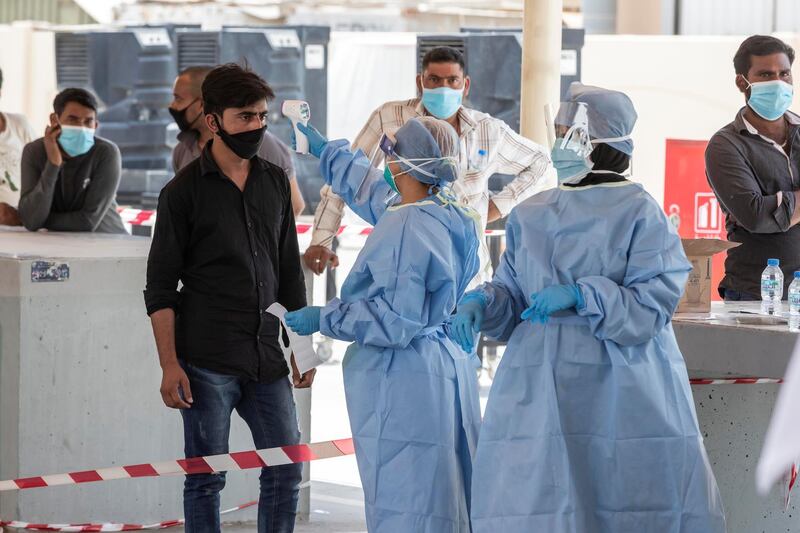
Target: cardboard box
697,296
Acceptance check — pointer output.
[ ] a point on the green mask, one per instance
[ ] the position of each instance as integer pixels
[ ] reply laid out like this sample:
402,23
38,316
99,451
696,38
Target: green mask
387,175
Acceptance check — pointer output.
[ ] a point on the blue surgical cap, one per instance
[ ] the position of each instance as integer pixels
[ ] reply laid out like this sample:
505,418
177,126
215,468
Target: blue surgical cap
428,138
610,113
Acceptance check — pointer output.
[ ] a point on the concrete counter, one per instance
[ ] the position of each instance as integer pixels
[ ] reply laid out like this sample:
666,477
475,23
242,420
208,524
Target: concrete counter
734,341
79,381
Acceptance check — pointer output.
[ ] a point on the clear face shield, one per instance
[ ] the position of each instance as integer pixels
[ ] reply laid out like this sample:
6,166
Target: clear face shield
572,145
386,146
576,138
571,125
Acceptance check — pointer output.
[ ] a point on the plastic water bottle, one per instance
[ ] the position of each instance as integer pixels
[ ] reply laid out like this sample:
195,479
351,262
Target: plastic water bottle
794,304
478,163
771,288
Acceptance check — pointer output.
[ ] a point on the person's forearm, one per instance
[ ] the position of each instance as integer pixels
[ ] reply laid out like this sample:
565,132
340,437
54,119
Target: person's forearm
163,322
327,218
35,201
527,183
68,221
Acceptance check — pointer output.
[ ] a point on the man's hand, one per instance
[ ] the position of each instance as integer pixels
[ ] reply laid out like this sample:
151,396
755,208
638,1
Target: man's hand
9,216
51,134
318,257
796,215
303,381
175,390
494,213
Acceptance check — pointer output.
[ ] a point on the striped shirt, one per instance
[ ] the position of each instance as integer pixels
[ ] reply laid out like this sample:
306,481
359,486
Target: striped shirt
488,146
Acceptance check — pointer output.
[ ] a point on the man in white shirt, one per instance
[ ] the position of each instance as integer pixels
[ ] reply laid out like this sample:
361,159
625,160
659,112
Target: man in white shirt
15,133
488,146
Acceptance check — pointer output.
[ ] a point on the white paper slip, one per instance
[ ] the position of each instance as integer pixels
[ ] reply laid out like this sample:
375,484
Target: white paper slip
304,355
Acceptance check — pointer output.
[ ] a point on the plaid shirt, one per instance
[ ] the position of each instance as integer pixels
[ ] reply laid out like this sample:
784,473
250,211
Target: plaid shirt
488,146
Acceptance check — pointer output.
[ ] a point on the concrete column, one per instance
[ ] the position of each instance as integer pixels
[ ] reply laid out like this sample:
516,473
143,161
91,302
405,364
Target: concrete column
541,66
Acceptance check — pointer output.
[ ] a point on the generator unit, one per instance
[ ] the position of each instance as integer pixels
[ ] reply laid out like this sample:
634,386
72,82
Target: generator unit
292,59
131,71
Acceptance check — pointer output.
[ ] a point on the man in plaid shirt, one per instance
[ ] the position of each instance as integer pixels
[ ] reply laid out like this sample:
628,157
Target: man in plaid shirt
488,146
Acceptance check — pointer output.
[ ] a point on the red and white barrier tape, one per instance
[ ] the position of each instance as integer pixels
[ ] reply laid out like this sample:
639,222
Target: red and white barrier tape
791,479
137,217
735,381
109,526
283,455
144,217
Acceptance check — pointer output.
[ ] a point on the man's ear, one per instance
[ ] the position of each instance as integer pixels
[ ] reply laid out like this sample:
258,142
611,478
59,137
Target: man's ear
211,122
742,84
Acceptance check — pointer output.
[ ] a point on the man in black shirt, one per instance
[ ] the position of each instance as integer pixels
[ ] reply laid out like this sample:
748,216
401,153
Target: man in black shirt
226,230
753,166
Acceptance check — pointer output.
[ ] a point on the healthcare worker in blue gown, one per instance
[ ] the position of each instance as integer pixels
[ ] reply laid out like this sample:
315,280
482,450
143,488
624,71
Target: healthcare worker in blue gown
412,394
590,425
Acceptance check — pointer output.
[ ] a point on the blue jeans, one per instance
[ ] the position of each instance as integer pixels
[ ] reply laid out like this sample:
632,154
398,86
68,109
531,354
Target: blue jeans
268,409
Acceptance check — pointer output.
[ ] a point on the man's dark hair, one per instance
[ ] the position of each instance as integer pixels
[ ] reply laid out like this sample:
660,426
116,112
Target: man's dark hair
443,54
759,45
232,85
73,94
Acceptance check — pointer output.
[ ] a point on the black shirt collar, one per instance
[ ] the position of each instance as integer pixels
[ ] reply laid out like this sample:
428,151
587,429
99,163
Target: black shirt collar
209,167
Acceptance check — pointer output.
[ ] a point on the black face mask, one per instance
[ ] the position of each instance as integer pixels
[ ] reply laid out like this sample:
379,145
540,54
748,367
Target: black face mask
244,144
180,117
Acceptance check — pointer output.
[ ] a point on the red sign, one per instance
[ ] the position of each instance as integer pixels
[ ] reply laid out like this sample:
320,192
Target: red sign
689,201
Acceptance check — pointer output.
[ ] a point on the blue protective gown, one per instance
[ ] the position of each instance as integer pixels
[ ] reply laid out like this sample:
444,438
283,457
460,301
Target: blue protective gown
590,425
412,394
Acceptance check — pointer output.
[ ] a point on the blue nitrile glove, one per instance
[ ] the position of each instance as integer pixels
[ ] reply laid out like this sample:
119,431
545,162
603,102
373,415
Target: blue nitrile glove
468,320
552,299
304,321
316,141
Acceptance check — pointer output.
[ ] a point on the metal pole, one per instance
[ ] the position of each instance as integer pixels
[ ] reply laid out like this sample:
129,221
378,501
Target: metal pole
541,65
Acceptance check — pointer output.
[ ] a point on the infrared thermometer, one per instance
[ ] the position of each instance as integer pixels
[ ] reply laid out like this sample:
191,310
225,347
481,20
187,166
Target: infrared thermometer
299,112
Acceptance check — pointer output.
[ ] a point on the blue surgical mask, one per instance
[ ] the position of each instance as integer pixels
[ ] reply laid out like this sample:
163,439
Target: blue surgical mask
387,175
770,99
76,140
442,102
570,165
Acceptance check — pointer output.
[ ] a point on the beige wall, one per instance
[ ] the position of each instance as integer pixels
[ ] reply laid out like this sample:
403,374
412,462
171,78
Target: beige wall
27,58
642,17
682,87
